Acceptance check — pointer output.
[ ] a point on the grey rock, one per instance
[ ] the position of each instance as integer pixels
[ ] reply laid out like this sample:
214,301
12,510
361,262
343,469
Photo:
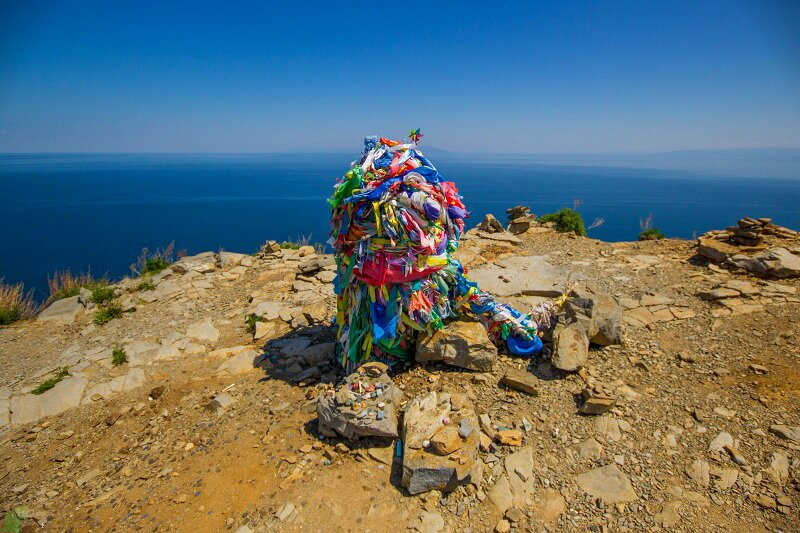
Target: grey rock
570,346
292,346
240,363
318,353
30,407
203,331
719,442
778,262
608,483
230,259
141,352
791,433
520,380
521,276
700,472
63,311
463,343
601,314
490,224
5,414
519,467
589,449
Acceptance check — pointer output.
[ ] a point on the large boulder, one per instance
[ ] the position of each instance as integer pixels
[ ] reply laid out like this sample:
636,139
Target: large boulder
600,312
427,467
63,311
365,405
463,342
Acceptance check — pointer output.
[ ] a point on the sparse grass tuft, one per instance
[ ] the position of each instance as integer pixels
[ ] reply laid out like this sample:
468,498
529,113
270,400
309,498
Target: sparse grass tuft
52,382
15,303
118,356
107,314
251,321
566,220
64,284
154,262
146,285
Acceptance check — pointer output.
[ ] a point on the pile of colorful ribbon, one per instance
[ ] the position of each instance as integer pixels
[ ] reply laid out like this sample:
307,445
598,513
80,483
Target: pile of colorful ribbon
395,224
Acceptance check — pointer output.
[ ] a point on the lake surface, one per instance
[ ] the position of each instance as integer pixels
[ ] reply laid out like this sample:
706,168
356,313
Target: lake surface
97,212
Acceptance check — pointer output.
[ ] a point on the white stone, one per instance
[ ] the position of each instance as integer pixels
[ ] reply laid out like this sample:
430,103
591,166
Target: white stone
30,407
203,331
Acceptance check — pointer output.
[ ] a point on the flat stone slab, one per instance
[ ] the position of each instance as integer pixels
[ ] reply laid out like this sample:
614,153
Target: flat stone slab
30,407
522,276
608,483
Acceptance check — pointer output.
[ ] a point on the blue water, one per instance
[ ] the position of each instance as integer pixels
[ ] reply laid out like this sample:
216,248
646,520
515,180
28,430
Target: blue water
99,211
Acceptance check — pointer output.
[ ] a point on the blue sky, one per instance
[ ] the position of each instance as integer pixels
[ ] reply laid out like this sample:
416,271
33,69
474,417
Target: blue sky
235,76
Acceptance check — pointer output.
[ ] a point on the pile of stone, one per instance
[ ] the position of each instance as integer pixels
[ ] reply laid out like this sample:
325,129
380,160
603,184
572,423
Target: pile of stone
365,405
520,219
490,224
742,246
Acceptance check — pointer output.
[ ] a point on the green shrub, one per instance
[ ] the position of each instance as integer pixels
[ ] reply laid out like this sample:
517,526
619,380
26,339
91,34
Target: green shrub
50,383
154,266
566,220
107,314
651,234
118,356
102,294
146,285
290,246
251,322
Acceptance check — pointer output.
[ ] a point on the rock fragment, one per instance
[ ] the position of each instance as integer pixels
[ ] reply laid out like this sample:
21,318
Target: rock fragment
607,483
463,343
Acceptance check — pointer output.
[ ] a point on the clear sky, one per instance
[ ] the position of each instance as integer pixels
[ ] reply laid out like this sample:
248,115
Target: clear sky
534,76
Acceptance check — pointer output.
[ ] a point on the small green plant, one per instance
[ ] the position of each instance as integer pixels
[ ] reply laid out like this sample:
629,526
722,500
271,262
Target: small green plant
107,314
118,356
154,262
146,285
154,266
102,294
566,220
289,246
52,382
15,303
251,321
651,234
